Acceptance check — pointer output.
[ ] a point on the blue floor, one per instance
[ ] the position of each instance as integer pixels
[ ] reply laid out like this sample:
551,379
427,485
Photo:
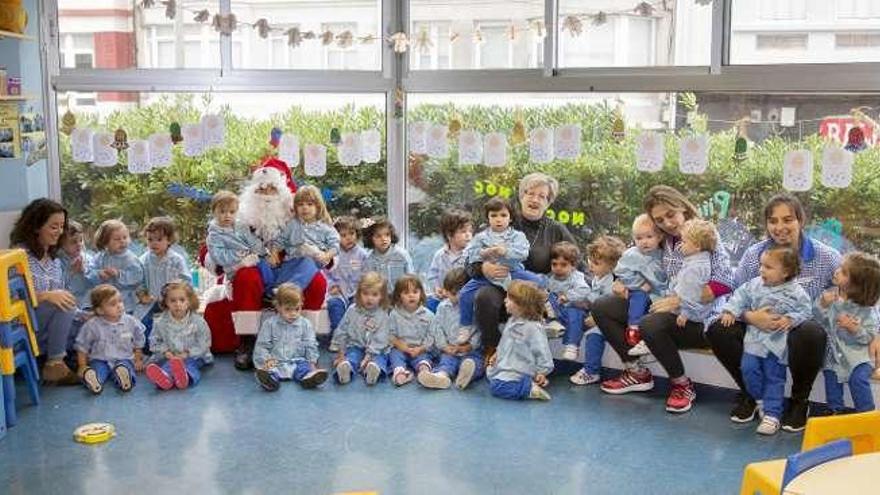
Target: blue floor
228,436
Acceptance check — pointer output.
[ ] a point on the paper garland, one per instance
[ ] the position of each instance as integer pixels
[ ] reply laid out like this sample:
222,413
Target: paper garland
288,149
139,157
160,146
797,170
693,157
837,167
470,148
82,146
418,137
371,146
349,149
193,140
495,149
437,145
214,131
105,154
650,152
568,142
315,160
541,145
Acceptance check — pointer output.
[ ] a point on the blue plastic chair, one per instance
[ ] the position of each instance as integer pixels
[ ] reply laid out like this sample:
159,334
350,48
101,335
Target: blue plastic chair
803,461
14,335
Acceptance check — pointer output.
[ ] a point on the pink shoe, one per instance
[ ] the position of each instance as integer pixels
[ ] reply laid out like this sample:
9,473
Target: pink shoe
178,371
158,377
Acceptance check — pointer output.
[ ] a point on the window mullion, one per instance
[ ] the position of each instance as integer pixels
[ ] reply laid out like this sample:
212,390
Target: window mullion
225,41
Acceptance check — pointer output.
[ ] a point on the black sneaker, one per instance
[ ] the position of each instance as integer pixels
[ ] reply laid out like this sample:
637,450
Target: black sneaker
795,417
243,361
268,381
314,378
745,410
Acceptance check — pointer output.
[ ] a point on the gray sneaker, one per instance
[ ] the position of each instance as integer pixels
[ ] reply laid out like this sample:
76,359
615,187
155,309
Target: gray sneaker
436,380
769,426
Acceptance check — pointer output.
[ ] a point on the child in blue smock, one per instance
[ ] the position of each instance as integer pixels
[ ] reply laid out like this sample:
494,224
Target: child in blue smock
850,320
344,275
110,344
320,239
640,269
410,330
459,361
457,231
75,261
698,241
230,246
180,341
519,368
115,264
386,258
568,297
363,334
765,353
286,347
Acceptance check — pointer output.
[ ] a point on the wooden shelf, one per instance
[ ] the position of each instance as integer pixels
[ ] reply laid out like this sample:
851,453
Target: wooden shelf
16,97
17,36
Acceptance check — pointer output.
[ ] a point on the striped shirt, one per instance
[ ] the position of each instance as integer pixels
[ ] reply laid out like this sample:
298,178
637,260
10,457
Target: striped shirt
47,274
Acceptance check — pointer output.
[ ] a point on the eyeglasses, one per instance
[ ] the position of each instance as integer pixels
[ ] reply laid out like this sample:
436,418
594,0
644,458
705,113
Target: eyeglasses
536,195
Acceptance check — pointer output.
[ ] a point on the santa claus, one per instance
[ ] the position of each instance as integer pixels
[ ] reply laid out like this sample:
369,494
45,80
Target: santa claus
265,210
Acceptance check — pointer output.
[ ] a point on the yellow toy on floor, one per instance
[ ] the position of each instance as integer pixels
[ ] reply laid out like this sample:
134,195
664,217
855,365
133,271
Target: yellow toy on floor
94,433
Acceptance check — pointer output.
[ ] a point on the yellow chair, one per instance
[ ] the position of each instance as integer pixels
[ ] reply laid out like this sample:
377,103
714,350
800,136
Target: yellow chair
11,309
764,478
863,429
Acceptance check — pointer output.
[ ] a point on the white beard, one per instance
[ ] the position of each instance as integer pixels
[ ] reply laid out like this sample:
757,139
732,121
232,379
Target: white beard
266,215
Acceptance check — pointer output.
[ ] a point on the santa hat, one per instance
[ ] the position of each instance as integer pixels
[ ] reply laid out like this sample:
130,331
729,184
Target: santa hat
274,171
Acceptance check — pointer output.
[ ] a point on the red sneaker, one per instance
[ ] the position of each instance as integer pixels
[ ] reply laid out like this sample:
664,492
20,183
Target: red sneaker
158,376
632,336
629,381
178,372
681,397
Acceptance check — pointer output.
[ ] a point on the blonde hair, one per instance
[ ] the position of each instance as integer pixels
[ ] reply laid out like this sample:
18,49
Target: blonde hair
700,232
670,197
191,296
101,294
606,248
223,198
311,194
288,294
107,228
372,281
642,220
536,179
529,298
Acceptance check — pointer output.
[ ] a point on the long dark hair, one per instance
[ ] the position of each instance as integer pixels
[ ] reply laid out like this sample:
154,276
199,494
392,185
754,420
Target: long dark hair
32,219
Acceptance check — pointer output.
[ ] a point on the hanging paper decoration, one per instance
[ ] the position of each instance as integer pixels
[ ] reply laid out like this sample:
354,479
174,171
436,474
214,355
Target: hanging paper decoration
275,137
470,148
288,149
174,130
170,8
797,170
650,152
262,27
371,146
568,142
541,145
837,167
345,39
294,37
139,157
644,9
437,145
160,150
518,136
423,42
349,150
600,18
120,140
327,38
68,123
82,145
693,157
454,127
495,149
573,25
478,37
335,136
147,4
399,42
193,140
453,37
214,129
618,127
202,16
315,160
366,39
537,25
418,137
225,24
105,154
855,140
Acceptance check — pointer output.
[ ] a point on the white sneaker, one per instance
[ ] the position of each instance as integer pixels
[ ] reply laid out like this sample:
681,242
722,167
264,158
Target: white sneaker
549,311
584,378
639,349
465,373
434,380
769,426
333,347
538,393
554,329
570,353
401,376
372,373
343,372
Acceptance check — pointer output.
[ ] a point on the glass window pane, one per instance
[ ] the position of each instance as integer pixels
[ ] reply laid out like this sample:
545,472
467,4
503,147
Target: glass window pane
358,18
798,31
128,35
114,192
475,34
612,33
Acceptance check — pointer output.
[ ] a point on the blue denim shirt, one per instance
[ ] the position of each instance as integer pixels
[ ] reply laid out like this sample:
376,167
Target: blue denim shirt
392,264
347,270
635,268
190,335
445,327
846,350
523,351
227,246
108,341
574,287
129,280
787,299
414,329
513,240
285,341
364,328
443,261
321,235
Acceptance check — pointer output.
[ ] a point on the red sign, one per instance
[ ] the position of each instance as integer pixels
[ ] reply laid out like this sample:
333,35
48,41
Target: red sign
837,128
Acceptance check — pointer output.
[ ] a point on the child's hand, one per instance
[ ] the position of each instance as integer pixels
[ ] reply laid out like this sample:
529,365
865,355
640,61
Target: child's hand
562,299
492,359
144,298
324,258
334,291
828,297
138,363
646,287
106,274
340,357
590,322
271,363
681,321
784,324
540,380
619,290
848,322
274,257
77,265
365,362
727,319
440,293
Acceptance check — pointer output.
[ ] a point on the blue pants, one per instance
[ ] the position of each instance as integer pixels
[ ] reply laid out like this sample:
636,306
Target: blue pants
572,318
192,365
517,390
53,327
432,303
450,364
400,360
293,371
336,306
147,320
765,380
639,302
467,293
298,271
859,388
593,350
104,369
354,356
